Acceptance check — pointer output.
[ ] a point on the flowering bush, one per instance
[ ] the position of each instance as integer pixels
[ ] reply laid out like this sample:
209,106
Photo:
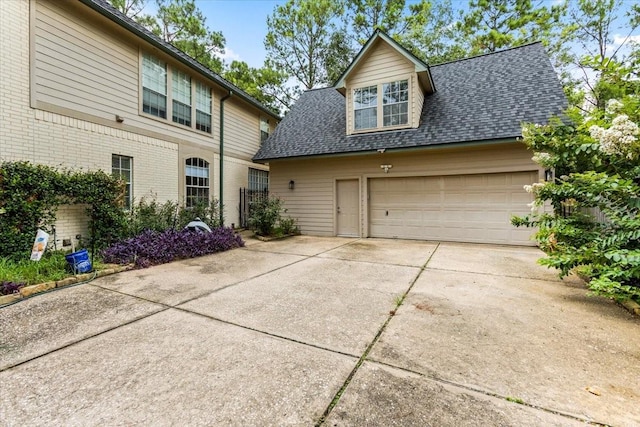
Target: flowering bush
596,160
153,247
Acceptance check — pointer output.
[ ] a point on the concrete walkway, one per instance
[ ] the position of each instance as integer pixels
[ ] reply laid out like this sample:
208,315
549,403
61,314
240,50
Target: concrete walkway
338,332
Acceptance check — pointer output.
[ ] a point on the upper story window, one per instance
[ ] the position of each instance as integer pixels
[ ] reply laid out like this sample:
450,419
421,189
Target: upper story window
203,107
264,129
395,110
181,94
154,86
365,102
171,94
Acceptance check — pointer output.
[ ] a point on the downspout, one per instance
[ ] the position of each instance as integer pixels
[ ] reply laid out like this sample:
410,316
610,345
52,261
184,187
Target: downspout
221,167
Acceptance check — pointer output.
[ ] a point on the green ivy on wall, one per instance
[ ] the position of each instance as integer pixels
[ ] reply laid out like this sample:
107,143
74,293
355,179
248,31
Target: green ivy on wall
31,194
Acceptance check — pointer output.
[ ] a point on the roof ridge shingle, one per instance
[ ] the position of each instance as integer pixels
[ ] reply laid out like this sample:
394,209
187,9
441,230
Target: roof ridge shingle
480,55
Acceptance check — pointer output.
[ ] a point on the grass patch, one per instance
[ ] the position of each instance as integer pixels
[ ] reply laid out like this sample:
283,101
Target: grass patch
52,267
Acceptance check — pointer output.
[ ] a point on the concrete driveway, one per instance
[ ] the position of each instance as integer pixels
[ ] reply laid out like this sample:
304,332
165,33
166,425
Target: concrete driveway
338,332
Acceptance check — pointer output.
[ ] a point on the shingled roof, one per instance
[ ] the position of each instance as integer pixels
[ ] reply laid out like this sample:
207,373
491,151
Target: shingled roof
479,99
107,10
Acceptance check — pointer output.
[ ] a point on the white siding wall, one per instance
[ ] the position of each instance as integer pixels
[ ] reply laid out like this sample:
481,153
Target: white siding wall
241,130
312,200
88,68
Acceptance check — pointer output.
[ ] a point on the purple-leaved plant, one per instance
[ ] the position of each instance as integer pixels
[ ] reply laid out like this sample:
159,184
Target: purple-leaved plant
152,247
8,288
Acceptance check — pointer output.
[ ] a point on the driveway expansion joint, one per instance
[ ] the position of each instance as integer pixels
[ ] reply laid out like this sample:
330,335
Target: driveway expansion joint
305,258
269,334
489,393
80,340
373,342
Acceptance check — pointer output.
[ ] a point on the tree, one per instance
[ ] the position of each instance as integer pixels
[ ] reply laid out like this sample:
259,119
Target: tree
181,23
430,34
370,15
132,8
491,25
265,84
424,27
598,160
301,41
592,26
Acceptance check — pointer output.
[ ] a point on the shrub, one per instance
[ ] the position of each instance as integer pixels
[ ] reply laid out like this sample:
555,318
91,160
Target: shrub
207,212
148,214
288,225
265,215
152,247
597,158
266,218
30,195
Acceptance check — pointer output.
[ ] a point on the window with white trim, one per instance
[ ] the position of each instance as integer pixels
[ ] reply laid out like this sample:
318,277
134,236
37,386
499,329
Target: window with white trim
395,103
154,86
181,97
171,94
197,181
122,167
365,111
258,180
203,107
390,109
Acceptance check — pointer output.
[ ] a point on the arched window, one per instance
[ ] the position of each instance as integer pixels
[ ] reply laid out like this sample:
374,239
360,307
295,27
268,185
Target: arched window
197,178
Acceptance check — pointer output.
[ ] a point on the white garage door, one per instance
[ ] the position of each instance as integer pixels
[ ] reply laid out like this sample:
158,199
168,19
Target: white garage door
462,208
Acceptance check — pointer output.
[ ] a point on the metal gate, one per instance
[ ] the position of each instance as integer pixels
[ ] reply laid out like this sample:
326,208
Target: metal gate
247,199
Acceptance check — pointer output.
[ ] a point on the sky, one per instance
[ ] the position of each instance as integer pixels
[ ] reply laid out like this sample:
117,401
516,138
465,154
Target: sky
244,25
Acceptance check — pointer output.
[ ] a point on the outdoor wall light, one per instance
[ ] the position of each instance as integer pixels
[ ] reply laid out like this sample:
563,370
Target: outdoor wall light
119,118
386,168
548,175
292,185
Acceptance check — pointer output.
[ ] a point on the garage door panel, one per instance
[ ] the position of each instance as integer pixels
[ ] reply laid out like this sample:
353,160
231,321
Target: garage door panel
468,208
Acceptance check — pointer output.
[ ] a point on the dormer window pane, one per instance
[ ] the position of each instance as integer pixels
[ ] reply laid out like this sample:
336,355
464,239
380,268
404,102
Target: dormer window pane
365,101
395,103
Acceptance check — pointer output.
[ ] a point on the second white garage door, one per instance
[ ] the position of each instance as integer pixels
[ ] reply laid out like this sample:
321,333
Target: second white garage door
462,208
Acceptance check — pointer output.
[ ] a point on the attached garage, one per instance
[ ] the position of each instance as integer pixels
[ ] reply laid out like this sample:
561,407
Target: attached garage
401,149
464,208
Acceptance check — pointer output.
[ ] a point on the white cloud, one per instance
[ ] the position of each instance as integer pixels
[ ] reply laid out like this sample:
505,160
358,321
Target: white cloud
618,39
229,55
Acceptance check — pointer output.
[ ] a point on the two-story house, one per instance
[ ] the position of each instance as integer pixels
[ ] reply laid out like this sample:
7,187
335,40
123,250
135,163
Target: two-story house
400,149
83,86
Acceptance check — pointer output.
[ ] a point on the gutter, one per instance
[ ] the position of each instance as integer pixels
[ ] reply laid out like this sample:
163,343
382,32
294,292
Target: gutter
221,167
370,150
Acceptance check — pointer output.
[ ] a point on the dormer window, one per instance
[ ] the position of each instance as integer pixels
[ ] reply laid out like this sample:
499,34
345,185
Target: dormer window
391,109
384,87
365,103
395,110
